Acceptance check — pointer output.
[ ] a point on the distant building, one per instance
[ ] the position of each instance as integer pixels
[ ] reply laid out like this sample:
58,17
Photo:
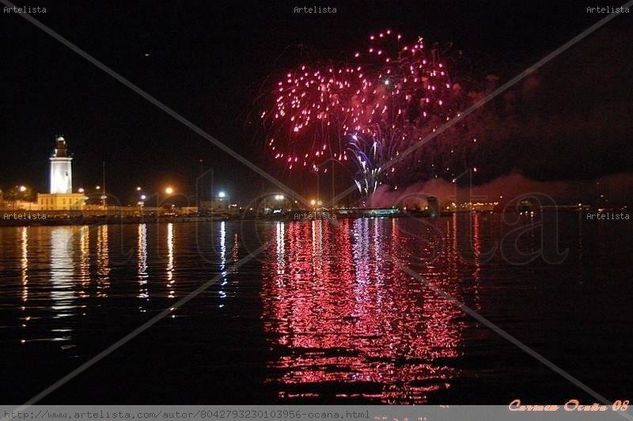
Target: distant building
219,205
433,206
61,196
216,204
19,205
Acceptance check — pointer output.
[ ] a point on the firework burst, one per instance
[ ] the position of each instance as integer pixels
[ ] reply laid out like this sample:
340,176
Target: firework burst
406,95
308,118
388,96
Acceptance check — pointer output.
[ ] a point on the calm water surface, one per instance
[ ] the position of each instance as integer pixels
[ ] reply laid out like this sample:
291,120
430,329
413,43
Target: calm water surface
324,314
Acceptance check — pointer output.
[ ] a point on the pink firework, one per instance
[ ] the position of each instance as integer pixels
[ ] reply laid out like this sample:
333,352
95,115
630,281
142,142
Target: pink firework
389,96
406,95
307,121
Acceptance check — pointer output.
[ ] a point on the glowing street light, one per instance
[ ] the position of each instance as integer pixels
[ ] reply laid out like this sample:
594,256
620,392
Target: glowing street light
313,202
98,188
22,189
80,190
139,188
279,197
169,190
221,195
143,197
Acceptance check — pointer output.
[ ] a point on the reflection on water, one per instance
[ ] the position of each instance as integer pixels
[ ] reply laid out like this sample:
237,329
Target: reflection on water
24,262
223,268
170,260
228,252
84,261
141,264
338,310
61,271
326,311
103,261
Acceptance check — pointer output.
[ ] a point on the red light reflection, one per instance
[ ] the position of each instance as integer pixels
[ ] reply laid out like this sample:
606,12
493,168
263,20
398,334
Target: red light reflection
340,315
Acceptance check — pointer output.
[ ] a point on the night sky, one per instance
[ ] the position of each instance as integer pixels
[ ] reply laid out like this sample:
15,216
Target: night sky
209,61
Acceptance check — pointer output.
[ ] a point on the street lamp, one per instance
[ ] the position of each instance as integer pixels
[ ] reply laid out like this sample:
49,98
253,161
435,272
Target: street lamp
139,188
22,189
141,203
221,195
169,190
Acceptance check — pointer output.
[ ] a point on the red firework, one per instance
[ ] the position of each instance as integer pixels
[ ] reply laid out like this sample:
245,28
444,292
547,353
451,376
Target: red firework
307,120
407,95
386,99
407,86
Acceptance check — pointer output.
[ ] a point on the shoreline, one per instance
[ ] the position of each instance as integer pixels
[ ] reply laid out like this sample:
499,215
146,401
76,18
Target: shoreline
26,218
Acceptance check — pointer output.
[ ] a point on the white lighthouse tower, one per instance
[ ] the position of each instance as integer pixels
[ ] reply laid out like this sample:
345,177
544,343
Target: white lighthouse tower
61,180
61,196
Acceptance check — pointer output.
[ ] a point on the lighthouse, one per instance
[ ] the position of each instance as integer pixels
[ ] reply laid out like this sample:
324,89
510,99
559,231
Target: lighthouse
61,178
61,196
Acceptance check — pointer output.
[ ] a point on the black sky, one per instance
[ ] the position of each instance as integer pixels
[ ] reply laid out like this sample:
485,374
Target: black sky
208,61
